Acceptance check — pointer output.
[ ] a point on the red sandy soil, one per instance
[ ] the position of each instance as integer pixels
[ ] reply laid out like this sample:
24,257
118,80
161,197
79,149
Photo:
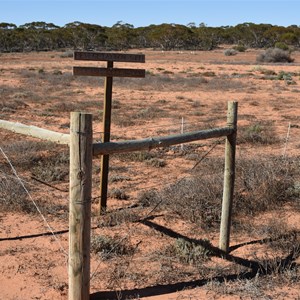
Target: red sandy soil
35,267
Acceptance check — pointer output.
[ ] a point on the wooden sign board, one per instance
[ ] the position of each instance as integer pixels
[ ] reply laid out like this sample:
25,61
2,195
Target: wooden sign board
108,72
108,56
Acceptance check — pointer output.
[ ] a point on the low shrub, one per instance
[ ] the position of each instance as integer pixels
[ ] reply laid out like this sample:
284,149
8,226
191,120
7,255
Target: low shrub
118,194
240,48
156,162
13,197
230,52
196,199
67,54
275,55
109,247
26,153
192,253
263,134
208,74
53,168
148,198
118,217
261,184
282,75
282,46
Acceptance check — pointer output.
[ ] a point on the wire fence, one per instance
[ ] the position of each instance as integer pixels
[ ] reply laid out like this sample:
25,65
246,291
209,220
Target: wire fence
286,144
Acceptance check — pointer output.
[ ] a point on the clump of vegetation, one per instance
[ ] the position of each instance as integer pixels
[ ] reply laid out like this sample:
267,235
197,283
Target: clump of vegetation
275,55
266,71
156,162
208,74
118,194
192,253
136,156
13,105
108,247
196,199
32,152
67,54
118,217
259,133
282,75
53,168
261,184
57,72
13,197
286,76
151,112
239,48
282,46
230,52
148,198
118,178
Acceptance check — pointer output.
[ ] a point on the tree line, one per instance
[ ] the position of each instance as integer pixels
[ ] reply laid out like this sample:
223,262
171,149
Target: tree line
42,36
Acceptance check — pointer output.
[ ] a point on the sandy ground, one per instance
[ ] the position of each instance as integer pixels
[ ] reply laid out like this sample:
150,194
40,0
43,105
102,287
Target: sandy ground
189,88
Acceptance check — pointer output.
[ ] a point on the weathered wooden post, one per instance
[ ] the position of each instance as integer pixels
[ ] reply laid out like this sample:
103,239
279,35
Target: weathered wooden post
229,176
109,73
104,165
81,144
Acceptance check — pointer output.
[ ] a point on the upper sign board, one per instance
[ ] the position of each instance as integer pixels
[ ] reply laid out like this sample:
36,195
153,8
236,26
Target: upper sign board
108,56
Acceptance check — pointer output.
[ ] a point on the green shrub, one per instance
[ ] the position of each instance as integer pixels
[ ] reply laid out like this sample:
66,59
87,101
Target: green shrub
282,75
240,48
192,253
282,46
259,133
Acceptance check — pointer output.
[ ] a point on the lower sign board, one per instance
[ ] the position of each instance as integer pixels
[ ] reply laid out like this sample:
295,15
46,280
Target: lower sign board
108,72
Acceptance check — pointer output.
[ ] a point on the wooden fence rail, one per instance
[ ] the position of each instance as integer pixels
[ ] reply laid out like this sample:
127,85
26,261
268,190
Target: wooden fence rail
156,142
37,132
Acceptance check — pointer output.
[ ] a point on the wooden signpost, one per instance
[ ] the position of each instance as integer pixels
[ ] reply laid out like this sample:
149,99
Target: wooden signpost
109,72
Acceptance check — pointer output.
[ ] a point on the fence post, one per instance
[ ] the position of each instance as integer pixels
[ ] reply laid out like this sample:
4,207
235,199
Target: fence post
229,176
81,141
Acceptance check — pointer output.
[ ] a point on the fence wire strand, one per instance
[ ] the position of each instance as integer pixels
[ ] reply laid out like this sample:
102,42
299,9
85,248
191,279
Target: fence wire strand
34,203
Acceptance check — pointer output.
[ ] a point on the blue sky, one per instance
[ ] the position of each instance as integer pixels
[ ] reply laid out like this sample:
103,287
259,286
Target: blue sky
146,12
